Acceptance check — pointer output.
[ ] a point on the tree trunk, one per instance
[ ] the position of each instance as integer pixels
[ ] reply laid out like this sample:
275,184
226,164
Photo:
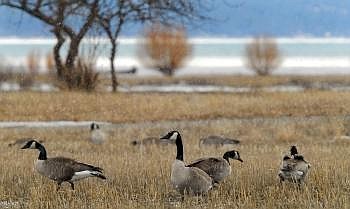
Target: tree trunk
72,53
57,56
113,74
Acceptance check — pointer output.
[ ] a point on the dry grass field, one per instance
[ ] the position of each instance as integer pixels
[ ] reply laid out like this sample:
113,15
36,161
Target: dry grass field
134,107
266,123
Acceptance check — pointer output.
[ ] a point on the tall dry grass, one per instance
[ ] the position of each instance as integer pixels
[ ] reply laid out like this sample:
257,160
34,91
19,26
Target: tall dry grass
157,106
140,178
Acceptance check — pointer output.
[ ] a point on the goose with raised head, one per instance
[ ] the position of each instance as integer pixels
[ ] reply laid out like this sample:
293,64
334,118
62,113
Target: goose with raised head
294,168
185,179
217,168
61,169
97,136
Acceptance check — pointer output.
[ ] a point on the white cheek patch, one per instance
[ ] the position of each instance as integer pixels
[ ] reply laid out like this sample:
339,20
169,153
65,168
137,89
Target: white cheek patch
174,136
32,146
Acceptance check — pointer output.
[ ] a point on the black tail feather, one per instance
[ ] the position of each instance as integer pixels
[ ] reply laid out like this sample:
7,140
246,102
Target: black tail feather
99,175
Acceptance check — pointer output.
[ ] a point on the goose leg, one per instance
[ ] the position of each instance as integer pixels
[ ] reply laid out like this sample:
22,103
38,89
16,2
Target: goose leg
71,185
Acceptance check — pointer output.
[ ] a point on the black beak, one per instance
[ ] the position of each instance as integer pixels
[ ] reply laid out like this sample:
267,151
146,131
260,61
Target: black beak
239,159
165,137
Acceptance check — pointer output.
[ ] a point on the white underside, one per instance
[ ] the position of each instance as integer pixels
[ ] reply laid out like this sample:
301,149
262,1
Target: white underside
97,137
83,174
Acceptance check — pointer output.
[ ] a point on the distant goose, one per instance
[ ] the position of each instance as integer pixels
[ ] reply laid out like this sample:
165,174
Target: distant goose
152,140
21,142
187,179
217,141
294,168
61,169
97,136
217,167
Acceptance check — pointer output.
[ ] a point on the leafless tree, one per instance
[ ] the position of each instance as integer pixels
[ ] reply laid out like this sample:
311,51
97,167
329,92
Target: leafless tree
263,55
71,19
114,15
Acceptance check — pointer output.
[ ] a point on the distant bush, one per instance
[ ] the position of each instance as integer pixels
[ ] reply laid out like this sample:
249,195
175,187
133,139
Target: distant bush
50,63
83,77
164,48
5,73
263,55
27,78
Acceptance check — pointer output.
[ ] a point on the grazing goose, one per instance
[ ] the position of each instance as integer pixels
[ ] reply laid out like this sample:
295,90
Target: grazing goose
217,168
217,141
152,140
97,136
62,169
294,169
191,180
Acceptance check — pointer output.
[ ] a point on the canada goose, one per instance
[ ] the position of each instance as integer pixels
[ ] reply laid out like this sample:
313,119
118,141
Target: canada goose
20,142
217,167
217,141
152,140
294,169
62,169
187,179
97,136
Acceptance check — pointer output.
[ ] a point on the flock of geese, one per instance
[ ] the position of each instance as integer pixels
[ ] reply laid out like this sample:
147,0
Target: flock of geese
195,178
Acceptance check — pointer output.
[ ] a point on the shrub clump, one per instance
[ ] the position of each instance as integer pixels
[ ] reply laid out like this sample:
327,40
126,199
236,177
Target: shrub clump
164,48
263,55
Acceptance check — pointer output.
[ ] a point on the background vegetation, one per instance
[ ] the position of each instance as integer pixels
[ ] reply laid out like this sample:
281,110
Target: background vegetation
140,177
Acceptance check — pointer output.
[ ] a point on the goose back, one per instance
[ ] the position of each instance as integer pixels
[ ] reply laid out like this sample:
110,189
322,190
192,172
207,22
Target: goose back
64,169
216,168
293,169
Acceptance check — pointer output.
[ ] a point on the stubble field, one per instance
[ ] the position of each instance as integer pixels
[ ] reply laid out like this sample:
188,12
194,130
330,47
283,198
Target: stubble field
139,177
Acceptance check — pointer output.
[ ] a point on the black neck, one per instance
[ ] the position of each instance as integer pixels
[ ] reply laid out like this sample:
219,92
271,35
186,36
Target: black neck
226,157
42,154
180,148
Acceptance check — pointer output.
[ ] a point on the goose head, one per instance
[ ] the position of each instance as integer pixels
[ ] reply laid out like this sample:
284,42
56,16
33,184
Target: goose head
175,136
94,126
233,154
293,150
31,144
172,135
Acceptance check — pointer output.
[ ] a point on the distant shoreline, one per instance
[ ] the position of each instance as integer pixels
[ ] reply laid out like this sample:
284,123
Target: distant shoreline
9,40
